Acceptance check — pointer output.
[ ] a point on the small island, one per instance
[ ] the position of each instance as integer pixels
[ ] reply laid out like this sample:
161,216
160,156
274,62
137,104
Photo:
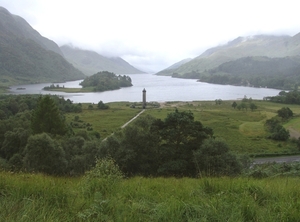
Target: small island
99,82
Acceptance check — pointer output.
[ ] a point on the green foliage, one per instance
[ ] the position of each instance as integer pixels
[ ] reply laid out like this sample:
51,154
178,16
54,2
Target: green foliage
135,149
253,106
179,134
101,105
103,178
234,104
292,97
285,113
14,142
43,154
47,118
154,147
213,158
278,132
103,81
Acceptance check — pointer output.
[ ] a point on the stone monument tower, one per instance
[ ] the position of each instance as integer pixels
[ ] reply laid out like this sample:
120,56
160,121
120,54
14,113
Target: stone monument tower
144,99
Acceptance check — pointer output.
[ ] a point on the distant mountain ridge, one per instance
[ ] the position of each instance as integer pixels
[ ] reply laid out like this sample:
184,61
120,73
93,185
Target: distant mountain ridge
170,69
28,57
90,62
259,45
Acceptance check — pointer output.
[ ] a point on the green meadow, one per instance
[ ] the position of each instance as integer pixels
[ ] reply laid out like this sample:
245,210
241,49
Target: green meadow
243,130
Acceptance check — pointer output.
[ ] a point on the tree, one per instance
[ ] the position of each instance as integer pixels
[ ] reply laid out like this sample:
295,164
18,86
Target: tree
14,142
179,135
244,106
47,118
285,113
180,128
218,101
280,133
101,105
134,149
234,105
253,106
43,154
214,158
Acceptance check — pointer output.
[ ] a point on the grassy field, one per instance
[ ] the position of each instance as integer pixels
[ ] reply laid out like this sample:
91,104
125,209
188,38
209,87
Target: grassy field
105,121
243,131
28,197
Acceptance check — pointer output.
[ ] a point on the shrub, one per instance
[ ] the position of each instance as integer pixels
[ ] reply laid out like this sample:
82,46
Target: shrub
214,158
103,178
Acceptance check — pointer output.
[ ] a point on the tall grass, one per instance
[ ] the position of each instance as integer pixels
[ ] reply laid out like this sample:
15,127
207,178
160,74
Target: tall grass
26,197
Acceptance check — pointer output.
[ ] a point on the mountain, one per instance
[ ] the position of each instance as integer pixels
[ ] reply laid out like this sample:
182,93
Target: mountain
90,62
260,45
257,71
170,70
28,57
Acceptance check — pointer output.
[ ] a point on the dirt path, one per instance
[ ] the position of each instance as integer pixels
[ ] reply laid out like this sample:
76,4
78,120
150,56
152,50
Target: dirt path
133,118
294,133
281,159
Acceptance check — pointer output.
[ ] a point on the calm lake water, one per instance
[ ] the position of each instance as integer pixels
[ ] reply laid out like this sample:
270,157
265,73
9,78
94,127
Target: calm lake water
159,88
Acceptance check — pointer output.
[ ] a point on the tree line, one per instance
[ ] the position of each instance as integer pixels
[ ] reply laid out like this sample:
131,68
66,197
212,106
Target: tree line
290,97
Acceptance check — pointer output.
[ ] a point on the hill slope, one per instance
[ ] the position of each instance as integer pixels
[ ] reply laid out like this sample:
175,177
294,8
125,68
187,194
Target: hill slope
281,73
170,70
90,62
27,57
260,45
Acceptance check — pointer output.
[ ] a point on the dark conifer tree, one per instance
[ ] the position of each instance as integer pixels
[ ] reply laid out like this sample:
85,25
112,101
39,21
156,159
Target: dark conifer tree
47,118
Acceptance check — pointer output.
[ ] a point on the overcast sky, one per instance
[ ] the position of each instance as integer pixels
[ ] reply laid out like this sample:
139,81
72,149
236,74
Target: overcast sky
153,34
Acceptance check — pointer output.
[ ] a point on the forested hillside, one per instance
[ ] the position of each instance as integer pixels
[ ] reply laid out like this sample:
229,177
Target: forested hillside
27,57
280,73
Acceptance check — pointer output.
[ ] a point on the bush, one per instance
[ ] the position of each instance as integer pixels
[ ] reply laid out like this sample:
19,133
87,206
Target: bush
101,105
213,158
103,178
285,113
43,154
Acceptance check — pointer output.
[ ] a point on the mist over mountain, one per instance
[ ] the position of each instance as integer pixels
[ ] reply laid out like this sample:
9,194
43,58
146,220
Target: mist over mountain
260,61
28,57
260,45
90,62
170,70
